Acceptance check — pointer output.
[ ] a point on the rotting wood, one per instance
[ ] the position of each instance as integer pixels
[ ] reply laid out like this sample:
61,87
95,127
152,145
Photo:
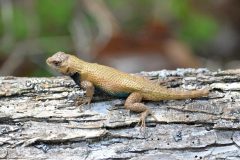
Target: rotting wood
39,119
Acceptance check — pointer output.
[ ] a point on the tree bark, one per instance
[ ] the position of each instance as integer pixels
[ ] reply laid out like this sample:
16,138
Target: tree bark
40,118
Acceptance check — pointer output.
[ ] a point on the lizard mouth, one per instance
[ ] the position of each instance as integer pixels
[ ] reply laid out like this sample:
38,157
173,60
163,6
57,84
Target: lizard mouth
48,61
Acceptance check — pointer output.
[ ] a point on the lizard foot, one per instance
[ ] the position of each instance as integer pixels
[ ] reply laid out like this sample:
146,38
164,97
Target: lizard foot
142,120
142,123
82,102
133,104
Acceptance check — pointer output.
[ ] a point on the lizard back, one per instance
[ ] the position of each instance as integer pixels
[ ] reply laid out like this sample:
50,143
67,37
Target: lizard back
121,84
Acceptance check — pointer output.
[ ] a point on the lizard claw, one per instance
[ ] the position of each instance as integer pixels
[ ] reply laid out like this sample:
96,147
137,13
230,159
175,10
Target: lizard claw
87,101
142,120
142,123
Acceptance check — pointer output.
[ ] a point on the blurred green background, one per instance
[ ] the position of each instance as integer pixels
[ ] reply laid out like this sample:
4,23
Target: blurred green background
131,35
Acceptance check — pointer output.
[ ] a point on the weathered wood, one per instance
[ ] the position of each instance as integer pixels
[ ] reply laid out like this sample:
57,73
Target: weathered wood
40,119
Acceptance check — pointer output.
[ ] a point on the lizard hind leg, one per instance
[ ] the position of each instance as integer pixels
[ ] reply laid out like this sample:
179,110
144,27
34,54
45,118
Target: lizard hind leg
133,103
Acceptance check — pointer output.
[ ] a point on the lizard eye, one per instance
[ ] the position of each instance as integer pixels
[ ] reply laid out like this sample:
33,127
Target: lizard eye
56,63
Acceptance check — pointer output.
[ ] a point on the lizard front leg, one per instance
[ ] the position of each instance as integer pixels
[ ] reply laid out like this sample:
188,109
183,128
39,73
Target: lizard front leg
88,86
133,104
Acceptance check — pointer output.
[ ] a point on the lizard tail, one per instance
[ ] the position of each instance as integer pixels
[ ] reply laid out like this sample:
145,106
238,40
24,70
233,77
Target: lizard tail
189,94
168,94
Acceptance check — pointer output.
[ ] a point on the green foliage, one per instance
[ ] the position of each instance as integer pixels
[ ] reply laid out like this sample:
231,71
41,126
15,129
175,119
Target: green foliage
53,18
199,28
52,45
1,25
40,72
132,14
55,15
195,28
116,3
19,23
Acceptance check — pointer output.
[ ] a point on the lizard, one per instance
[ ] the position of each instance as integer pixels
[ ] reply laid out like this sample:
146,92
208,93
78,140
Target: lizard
134,88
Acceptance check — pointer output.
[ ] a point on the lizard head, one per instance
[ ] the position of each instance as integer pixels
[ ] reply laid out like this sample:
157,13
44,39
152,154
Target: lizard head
60,62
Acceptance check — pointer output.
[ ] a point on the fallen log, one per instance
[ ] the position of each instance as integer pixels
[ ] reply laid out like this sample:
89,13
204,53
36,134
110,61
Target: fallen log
40,119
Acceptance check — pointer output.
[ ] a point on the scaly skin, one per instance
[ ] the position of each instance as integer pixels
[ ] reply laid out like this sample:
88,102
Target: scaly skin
117,83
